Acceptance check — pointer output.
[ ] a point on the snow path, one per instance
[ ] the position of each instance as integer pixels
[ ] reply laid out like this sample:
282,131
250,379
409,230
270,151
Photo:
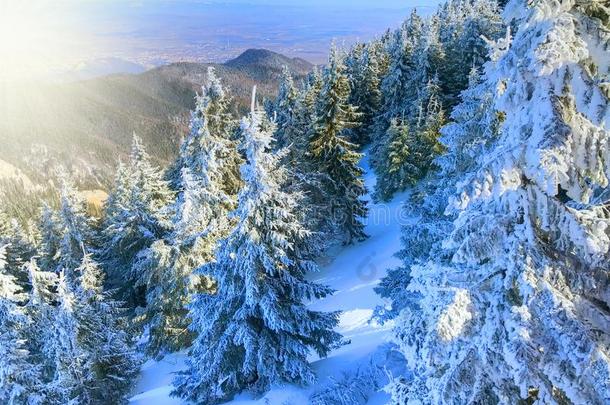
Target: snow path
353,273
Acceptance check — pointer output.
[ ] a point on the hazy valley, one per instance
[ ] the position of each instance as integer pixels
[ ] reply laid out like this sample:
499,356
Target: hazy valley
87,125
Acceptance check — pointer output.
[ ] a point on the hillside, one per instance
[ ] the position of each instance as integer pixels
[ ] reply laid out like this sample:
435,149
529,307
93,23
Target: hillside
88,124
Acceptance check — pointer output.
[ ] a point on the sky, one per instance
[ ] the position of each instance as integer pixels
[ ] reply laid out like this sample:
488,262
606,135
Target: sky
41,36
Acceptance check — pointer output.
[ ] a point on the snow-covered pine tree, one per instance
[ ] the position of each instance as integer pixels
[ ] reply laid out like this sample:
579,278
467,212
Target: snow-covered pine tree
410,153
253,329
465,25
520,312
397,88
294,112
426,147
103,336
365,70
20,247
429,55
49,237
40,309
467,139
211,132
136,214
442,46
168,276
335,157
304,119
395,172
311,93
66,233
208,183
408,86
20,380
209,175
295,131
473,129
285,109
73,374
395,85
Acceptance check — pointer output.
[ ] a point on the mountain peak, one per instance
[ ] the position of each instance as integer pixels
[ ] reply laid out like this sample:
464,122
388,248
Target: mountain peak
269,59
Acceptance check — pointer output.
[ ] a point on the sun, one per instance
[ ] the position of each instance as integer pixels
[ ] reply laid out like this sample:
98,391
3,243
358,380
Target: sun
33,39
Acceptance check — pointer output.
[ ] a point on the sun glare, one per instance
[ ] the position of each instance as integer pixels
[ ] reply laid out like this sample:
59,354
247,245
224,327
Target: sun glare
34,41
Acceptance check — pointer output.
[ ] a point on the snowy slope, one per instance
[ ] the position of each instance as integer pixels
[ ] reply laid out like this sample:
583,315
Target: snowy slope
353,273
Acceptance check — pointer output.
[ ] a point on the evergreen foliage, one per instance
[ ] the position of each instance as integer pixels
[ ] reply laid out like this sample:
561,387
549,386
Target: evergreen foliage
72,374
40,309
105,337
20,380
67,234
20,246
502,292
207,185
253,329
336,157
168,284
136,215
429,67
511,308
365,68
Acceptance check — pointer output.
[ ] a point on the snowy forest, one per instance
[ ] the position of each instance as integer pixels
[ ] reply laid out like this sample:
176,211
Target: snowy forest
486,123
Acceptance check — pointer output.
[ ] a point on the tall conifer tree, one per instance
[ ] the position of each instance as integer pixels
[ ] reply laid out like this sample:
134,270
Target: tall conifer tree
335,156
208,181
20,379
253,329
137,214
520,310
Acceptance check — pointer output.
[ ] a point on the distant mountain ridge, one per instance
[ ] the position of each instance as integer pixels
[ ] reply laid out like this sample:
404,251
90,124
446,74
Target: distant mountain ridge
87,125
100,67
269,59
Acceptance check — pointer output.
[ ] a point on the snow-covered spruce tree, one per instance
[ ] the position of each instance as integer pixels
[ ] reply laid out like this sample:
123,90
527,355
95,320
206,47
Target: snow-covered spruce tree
209,175
102,334
20,247
365,70
285,109
211,132
208,182
465,25
49,237
294,112
335,157
66,233
520,312
295,131
295,127
472,130
72,375
410,153
396,171
136,214
396,86
398,90
20,380
444,45
310,94
169,287
253,329
40,309
467,139
78,337
426,146
407,87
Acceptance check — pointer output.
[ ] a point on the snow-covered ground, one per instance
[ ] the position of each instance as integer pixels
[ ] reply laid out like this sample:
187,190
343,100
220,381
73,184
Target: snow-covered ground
353,273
